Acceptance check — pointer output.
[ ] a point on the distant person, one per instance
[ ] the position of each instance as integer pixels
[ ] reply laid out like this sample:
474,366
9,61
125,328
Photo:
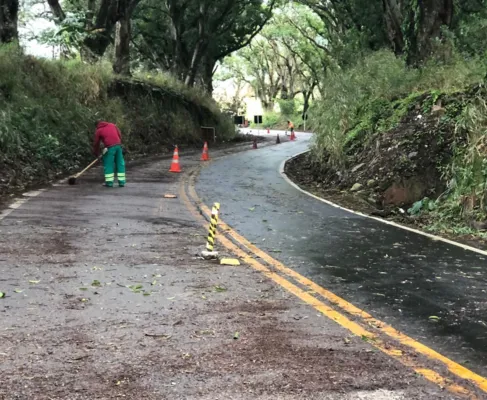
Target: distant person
290,126
109,134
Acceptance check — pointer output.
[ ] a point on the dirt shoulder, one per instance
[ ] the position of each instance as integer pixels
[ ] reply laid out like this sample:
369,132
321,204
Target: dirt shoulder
300,171
108,298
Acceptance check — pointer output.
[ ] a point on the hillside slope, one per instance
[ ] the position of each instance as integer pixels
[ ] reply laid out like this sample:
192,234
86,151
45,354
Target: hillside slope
48,110
420,160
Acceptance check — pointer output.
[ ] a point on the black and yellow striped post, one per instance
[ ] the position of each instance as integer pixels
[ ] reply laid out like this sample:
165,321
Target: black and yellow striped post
210,245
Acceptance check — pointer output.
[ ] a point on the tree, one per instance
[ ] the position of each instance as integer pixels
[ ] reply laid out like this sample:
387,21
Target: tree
188,38
289,57
99,22
425,21
9,10
408,27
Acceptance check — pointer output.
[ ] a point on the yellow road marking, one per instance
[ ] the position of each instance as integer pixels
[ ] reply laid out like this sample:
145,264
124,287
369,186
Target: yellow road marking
341,319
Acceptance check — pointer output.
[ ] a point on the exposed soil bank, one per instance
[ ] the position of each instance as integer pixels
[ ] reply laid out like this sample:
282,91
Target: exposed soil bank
417,161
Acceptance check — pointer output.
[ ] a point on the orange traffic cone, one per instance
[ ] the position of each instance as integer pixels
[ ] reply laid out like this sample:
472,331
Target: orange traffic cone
205,156
254,145
175,167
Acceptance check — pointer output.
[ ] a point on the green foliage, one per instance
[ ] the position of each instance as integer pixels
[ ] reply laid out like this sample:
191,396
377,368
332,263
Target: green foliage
362,99
271,119
188,38
48,110
69,34
466,175
282,61
288,107
425,204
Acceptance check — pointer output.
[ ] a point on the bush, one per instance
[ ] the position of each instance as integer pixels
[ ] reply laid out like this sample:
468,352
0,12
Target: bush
352,96
272,119
287,107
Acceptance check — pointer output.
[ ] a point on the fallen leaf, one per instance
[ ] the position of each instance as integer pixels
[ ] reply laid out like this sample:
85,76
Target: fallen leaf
346,340
171,298
147,293
18,291
34,282
158,335
84,300
220,289
83,289
96,283
170,196
434,318
2,295
154,283
252,209
236,335
229,261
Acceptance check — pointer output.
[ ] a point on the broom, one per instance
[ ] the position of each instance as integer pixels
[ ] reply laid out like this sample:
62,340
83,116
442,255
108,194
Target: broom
72,179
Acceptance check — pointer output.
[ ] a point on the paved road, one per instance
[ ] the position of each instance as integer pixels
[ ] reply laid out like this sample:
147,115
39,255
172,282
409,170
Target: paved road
398,276
106,299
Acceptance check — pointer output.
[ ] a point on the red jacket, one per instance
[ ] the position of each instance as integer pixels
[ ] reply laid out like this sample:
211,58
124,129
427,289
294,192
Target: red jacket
107,133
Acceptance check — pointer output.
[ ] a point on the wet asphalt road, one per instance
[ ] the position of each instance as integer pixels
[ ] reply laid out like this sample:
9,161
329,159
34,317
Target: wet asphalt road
398,276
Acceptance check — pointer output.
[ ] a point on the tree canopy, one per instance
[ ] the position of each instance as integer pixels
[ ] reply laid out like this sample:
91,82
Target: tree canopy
291,43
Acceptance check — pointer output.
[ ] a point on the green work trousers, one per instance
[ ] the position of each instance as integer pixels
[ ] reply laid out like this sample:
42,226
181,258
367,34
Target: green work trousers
112,159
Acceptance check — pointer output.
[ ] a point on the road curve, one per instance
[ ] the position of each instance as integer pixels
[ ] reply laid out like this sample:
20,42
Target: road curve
398,276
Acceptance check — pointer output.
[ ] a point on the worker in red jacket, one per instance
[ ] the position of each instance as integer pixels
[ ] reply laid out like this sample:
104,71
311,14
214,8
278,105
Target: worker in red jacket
109,134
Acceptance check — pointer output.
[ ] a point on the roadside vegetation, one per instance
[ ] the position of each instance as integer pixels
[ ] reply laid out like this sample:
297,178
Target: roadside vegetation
146,65
395,92
48,110
377,81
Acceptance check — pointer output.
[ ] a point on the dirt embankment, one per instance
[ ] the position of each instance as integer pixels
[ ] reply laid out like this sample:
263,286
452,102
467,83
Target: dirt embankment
49,108
387,173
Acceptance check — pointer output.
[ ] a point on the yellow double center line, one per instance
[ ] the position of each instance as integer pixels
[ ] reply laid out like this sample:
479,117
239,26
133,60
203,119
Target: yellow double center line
405,349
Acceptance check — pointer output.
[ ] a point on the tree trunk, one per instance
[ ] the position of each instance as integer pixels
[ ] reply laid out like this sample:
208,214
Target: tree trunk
122,46
307,96
56,9
393,18
201,45
95,45
425,22
207,75
9,10
193,68
175,13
